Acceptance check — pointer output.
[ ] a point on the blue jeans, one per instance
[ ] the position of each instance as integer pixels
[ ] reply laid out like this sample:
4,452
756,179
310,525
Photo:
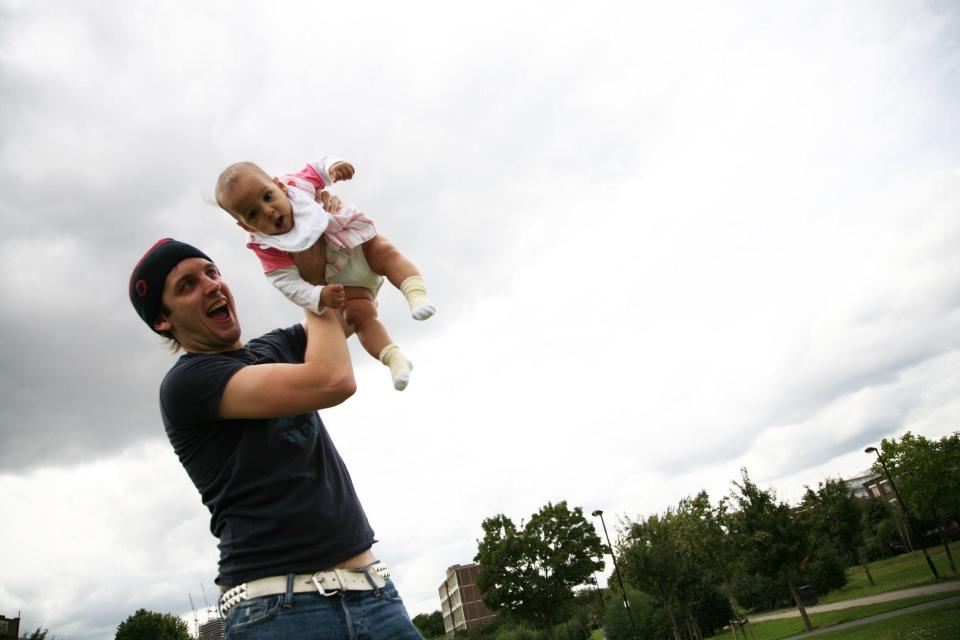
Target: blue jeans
352,615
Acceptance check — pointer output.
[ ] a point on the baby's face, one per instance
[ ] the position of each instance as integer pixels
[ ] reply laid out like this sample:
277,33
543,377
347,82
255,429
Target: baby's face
259,204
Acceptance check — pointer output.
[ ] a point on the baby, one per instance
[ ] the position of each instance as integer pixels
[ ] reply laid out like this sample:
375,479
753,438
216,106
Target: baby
319,254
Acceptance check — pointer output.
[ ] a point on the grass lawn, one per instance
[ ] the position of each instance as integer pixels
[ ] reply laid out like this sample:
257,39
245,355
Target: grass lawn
774,629
941,623
908,570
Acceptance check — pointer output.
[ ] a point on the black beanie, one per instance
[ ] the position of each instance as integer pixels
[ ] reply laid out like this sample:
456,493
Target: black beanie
146,281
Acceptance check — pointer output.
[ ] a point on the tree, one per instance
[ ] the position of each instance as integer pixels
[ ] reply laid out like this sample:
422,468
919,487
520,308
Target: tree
835,518
38,634
148,625
769,538
532,572
430,625
577,626
654,561
650,619
759,592
704,532
592,601
880,537
928,476
668,557
824,569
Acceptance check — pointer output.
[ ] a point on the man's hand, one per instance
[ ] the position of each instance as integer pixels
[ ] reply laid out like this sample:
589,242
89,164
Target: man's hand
341,171
331,204
333,296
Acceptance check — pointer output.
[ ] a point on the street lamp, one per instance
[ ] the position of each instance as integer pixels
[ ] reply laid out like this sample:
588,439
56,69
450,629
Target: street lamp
626,603
906,514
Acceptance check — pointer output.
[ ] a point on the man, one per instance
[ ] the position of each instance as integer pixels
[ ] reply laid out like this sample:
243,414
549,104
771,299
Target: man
295,544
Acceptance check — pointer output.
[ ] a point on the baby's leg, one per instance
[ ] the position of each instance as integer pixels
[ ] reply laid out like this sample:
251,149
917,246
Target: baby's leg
384,259
360,314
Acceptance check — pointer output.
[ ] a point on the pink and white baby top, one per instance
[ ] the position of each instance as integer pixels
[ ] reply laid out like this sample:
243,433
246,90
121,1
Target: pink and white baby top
344,231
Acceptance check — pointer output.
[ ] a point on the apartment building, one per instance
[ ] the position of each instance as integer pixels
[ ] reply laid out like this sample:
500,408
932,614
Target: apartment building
460,602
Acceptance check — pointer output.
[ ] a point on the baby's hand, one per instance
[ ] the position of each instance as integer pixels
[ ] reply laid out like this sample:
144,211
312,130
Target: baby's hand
333,296
341,171
331,204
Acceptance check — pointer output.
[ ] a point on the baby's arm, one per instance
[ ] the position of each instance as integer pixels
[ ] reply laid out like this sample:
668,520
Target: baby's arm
331,169
284,275
309,296
320,174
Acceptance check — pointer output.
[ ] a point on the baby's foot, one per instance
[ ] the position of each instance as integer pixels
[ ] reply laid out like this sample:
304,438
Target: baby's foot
415,291
401,379
400,367
423,311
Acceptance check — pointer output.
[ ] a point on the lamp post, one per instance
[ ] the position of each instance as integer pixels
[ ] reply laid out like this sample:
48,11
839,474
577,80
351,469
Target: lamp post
626,603
906,513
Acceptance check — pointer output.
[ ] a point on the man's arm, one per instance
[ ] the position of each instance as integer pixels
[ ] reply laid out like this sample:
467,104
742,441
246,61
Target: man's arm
324,379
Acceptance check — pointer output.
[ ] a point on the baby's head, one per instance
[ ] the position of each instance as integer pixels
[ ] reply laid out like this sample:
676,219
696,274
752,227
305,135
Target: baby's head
257,201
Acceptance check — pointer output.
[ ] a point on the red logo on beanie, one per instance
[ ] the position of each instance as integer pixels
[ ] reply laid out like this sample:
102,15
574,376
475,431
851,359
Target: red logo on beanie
141,288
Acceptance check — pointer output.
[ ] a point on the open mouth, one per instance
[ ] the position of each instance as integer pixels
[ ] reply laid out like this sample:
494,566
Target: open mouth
278,223
219,311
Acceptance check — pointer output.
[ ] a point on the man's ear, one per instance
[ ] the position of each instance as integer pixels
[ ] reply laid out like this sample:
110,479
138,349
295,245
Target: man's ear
161,323
245,227
280,184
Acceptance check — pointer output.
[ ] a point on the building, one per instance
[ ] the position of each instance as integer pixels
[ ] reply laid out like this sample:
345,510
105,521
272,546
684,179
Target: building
460,602
212,629
9,628
879,487
858,484
874,486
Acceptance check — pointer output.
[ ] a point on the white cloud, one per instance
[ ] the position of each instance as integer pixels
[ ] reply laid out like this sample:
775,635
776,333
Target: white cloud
100,539
665,242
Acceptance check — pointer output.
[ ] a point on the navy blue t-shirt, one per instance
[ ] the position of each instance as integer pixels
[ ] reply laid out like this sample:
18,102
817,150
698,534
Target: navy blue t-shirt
280,498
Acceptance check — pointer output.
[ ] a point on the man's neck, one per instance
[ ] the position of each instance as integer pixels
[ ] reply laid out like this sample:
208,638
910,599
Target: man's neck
200,350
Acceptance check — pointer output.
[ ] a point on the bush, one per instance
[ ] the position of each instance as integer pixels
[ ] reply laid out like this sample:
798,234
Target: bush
429,625
150,625
652,621
506,630
880,537
759,593
519,632
825,571
713,611
489,631
576,628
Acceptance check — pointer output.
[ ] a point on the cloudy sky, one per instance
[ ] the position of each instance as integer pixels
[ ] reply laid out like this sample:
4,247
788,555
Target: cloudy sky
666,242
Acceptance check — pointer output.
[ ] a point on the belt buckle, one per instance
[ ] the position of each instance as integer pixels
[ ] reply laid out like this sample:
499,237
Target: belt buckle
319,585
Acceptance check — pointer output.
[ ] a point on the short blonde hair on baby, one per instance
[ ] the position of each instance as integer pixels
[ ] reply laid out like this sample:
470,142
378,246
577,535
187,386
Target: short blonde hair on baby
228,177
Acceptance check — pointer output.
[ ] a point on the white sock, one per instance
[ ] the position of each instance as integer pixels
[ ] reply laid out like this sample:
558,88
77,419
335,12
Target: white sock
415,291
400,367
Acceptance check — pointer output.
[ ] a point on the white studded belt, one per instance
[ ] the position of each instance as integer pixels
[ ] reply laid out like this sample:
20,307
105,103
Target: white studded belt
326,583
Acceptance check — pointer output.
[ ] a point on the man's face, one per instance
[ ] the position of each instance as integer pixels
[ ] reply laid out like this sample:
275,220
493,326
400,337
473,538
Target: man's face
202,315
259,203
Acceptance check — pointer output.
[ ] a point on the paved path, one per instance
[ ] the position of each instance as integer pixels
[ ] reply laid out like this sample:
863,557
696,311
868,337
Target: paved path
878,617
940,587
